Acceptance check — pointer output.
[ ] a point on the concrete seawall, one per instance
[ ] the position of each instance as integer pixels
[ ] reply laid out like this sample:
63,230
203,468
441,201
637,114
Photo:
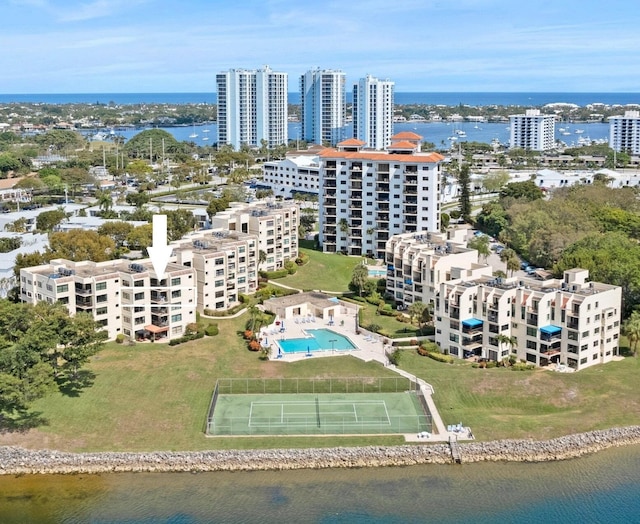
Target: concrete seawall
15,461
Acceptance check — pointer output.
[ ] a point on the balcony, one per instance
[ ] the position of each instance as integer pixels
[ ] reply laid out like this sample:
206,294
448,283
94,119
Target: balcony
84,302
83,290
159,298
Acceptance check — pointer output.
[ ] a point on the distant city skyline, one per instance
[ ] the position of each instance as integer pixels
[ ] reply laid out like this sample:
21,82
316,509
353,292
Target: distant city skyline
98,46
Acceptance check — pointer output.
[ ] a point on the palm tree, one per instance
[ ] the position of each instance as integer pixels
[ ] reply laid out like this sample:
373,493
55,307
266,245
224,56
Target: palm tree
262,258
416,310
512,342
631,329
359,277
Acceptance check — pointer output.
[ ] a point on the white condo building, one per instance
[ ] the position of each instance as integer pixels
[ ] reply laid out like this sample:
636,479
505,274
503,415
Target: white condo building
323,106
123,297
275,225
532,130
298,172
417,263
624,132
369,196
568,321
373,112
252,106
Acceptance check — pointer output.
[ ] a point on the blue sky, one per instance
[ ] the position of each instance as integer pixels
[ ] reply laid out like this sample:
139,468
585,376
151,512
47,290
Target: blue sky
94,46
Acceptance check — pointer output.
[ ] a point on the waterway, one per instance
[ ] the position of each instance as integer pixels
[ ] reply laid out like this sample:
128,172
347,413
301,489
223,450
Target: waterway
438,133
598,488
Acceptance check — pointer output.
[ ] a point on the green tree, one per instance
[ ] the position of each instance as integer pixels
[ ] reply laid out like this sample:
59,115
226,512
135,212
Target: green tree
359,277
47,220
179,223
78,245
117,230
82,340
416,310
481,244
464,180
631,329
495,180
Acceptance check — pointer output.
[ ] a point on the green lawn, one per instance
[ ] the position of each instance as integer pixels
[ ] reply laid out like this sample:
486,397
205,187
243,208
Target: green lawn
155,396
326,271
500,403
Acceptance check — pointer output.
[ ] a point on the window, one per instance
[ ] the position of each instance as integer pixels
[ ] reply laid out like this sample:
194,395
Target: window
139,296
176,294
101,311
101,286
62,288
176,318
175,281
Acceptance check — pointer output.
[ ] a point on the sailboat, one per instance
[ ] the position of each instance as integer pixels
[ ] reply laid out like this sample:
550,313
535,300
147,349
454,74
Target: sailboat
194,134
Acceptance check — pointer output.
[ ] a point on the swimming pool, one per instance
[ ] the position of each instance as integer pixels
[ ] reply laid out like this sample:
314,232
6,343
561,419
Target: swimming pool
320,340
377,273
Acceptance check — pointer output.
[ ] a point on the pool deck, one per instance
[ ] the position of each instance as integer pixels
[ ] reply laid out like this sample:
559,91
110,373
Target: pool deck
368,349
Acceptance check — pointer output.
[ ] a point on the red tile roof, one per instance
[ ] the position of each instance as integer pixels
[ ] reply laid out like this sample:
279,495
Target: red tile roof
406,135
351,142
403,144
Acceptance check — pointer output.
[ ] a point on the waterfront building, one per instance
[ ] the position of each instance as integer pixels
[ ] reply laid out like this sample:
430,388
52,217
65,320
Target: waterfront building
252,107
124,298
275,224
624,132
568,321
369,196
417,263
226,266
298,172
373,112
323,105
533,130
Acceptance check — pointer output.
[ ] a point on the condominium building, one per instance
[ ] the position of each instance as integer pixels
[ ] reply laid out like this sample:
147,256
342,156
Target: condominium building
369,196
532,130
275,224
298,172
122,297
226,266
624,132
323,106
567,321
417,263
252,107
373,112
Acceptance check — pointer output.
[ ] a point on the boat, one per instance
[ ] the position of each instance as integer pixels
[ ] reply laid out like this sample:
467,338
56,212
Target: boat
194,134
205,138
579,131
205,130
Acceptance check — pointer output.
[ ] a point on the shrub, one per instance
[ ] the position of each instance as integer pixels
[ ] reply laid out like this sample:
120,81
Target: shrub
120,338
254,345
291,267
274,275
211,330
447,359
248,334
191,329
394,356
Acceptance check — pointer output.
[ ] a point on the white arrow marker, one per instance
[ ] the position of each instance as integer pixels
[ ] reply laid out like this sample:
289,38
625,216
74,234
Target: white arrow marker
159,252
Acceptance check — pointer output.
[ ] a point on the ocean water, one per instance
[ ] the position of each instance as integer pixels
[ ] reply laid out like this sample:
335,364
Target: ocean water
448,99
601,488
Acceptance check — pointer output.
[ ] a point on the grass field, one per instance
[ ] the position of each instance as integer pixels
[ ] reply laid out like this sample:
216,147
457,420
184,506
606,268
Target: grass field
500,403
312,414
326,271
155,396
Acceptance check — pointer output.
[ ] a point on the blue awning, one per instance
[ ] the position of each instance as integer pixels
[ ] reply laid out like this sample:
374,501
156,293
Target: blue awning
550,330
472,323
390,267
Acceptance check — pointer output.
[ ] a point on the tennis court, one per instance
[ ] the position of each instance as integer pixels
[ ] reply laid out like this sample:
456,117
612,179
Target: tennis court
313,414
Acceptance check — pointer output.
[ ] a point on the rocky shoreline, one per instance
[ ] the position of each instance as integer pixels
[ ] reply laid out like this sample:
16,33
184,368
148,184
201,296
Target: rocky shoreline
20,461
